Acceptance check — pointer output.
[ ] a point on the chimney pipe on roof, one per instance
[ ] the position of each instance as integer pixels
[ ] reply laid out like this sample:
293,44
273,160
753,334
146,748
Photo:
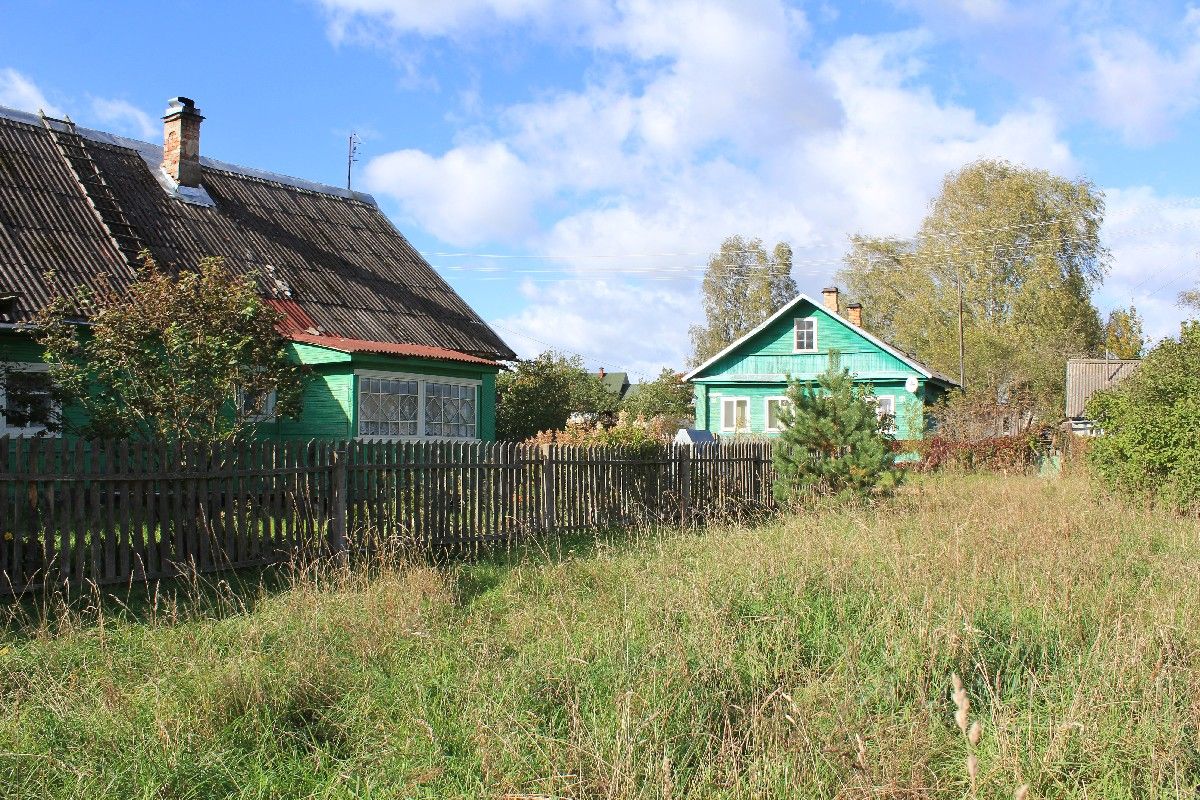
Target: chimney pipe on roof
854,314
829,297
602,372
181,141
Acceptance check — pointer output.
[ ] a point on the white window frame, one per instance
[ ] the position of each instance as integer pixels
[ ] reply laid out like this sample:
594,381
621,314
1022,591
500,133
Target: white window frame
781,398
29,430
879,412
796,331
421,380
268,412
735,400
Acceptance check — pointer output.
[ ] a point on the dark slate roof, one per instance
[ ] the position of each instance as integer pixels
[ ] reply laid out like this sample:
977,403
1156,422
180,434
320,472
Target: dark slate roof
1086,376
330,253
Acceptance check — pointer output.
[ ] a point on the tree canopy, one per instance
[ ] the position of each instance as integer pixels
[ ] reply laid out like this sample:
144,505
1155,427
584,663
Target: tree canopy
1123,337
539,394
1022,246
668,396
1151,424
193,357
743,285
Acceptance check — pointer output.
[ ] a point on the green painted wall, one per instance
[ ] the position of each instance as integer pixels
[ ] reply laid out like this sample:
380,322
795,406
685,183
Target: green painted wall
770,351
761,366
910,407
330,404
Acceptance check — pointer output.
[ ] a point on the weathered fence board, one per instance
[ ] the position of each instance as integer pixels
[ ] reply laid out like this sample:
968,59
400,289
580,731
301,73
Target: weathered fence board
118,512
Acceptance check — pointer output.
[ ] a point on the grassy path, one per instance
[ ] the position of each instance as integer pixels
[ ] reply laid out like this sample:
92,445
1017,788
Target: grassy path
811,657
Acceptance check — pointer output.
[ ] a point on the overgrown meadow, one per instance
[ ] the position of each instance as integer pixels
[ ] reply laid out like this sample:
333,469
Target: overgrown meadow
811,656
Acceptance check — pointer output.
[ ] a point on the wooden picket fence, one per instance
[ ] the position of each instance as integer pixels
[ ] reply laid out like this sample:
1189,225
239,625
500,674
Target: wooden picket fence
73,512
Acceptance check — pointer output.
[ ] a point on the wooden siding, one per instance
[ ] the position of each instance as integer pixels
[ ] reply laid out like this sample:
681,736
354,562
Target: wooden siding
771,352
760,367
330,401
910,408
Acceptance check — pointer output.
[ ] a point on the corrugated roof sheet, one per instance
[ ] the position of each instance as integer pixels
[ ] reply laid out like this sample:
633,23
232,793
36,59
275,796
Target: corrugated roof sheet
331,254
1086,376
344,345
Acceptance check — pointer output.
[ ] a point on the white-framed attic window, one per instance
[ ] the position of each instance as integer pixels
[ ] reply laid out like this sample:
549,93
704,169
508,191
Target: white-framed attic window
394,405
26,404
735,414
804,335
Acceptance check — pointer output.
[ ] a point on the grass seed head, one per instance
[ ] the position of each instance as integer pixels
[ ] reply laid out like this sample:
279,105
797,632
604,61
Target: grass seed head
972,766
961,717
974,734
1022,792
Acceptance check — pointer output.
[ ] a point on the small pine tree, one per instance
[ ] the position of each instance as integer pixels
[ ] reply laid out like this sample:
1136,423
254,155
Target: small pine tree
833,443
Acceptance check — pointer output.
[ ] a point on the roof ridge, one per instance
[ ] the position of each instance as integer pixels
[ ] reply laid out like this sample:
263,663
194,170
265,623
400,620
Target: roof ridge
152,154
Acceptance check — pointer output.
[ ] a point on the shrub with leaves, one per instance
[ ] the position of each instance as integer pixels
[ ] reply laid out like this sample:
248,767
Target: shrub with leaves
833,442
188,357
542,393
635,435
1151,426
991,453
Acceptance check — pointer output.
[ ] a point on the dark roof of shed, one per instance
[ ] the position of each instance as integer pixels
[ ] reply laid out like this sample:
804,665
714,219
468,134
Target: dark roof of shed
331,252
1086,376
614,382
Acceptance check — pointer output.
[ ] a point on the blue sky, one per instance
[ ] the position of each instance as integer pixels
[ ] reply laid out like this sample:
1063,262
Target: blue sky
602,147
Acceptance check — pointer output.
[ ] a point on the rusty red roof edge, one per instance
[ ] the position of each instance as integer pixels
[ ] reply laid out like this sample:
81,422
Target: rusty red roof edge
345,345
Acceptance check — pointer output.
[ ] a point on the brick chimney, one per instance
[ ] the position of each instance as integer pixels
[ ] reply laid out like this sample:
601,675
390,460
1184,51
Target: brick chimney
829,297
181,141
602,372
854,314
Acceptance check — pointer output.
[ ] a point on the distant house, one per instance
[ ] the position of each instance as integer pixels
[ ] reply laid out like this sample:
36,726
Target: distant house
616,383
742,388
394,351
1085,377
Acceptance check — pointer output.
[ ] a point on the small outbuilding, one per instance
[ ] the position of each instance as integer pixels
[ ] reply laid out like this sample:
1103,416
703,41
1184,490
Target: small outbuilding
1085,377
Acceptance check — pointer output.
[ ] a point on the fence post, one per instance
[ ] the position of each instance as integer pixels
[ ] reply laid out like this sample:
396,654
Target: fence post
548,510
685,484
337,511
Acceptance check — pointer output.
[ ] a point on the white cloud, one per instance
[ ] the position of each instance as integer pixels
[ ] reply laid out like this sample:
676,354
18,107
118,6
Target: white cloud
471,194
360,19
124,117
704,118
19,92
1141,89
1155,242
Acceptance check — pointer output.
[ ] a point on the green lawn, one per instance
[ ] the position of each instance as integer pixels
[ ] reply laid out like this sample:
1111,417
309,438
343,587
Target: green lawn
810,657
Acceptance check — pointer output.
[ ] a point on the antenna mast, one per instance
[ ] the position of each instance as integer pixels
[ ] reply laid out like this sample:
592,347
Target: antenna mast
351,155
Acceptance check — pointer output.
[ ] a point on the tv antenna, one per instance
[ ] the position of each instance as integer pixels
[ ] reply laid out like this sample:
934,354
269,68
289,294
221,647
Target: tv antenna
351,155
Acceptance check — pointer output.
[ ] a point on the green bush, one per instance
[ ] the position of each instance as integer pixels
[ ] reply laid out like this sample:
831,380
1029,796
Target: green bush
1150,445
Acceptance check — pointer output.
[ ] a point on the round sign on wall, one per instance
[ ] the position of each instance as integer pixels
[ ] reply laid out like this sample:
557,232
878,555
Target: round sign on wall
911,384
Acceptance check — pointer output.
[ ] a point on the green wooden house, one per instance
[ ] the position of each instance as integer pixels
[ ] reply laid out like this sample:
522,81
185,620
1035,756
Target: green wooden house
394,351
742,389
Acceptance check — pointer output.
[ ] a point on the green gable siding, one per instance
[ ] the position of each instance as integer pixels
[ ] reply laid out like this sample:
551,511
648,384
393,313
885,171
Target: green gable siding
760,367
770,352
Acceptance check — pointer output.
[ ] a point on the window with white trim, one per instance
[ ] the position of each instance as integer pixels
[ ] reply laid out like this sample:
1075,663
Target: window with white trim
256,404
735,414
885,405
26,405
450,410
775,405
394,406
387,407
805,335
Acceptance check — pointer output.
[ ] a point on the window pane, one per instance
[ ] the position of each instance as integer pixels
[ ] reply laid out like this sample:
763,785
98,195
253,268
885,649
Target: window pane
743,414
387,407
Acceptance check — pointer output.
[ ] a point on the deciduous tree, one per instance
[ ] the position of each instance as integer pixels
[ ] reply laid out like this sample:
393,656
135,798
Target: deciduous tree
1123,337
539,394
192,357
1022,248
668,395
743,285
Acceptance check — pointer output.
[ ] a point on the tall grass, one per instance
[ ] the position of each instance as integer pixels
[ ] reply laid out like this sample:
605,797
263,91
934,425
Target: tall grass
811,657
